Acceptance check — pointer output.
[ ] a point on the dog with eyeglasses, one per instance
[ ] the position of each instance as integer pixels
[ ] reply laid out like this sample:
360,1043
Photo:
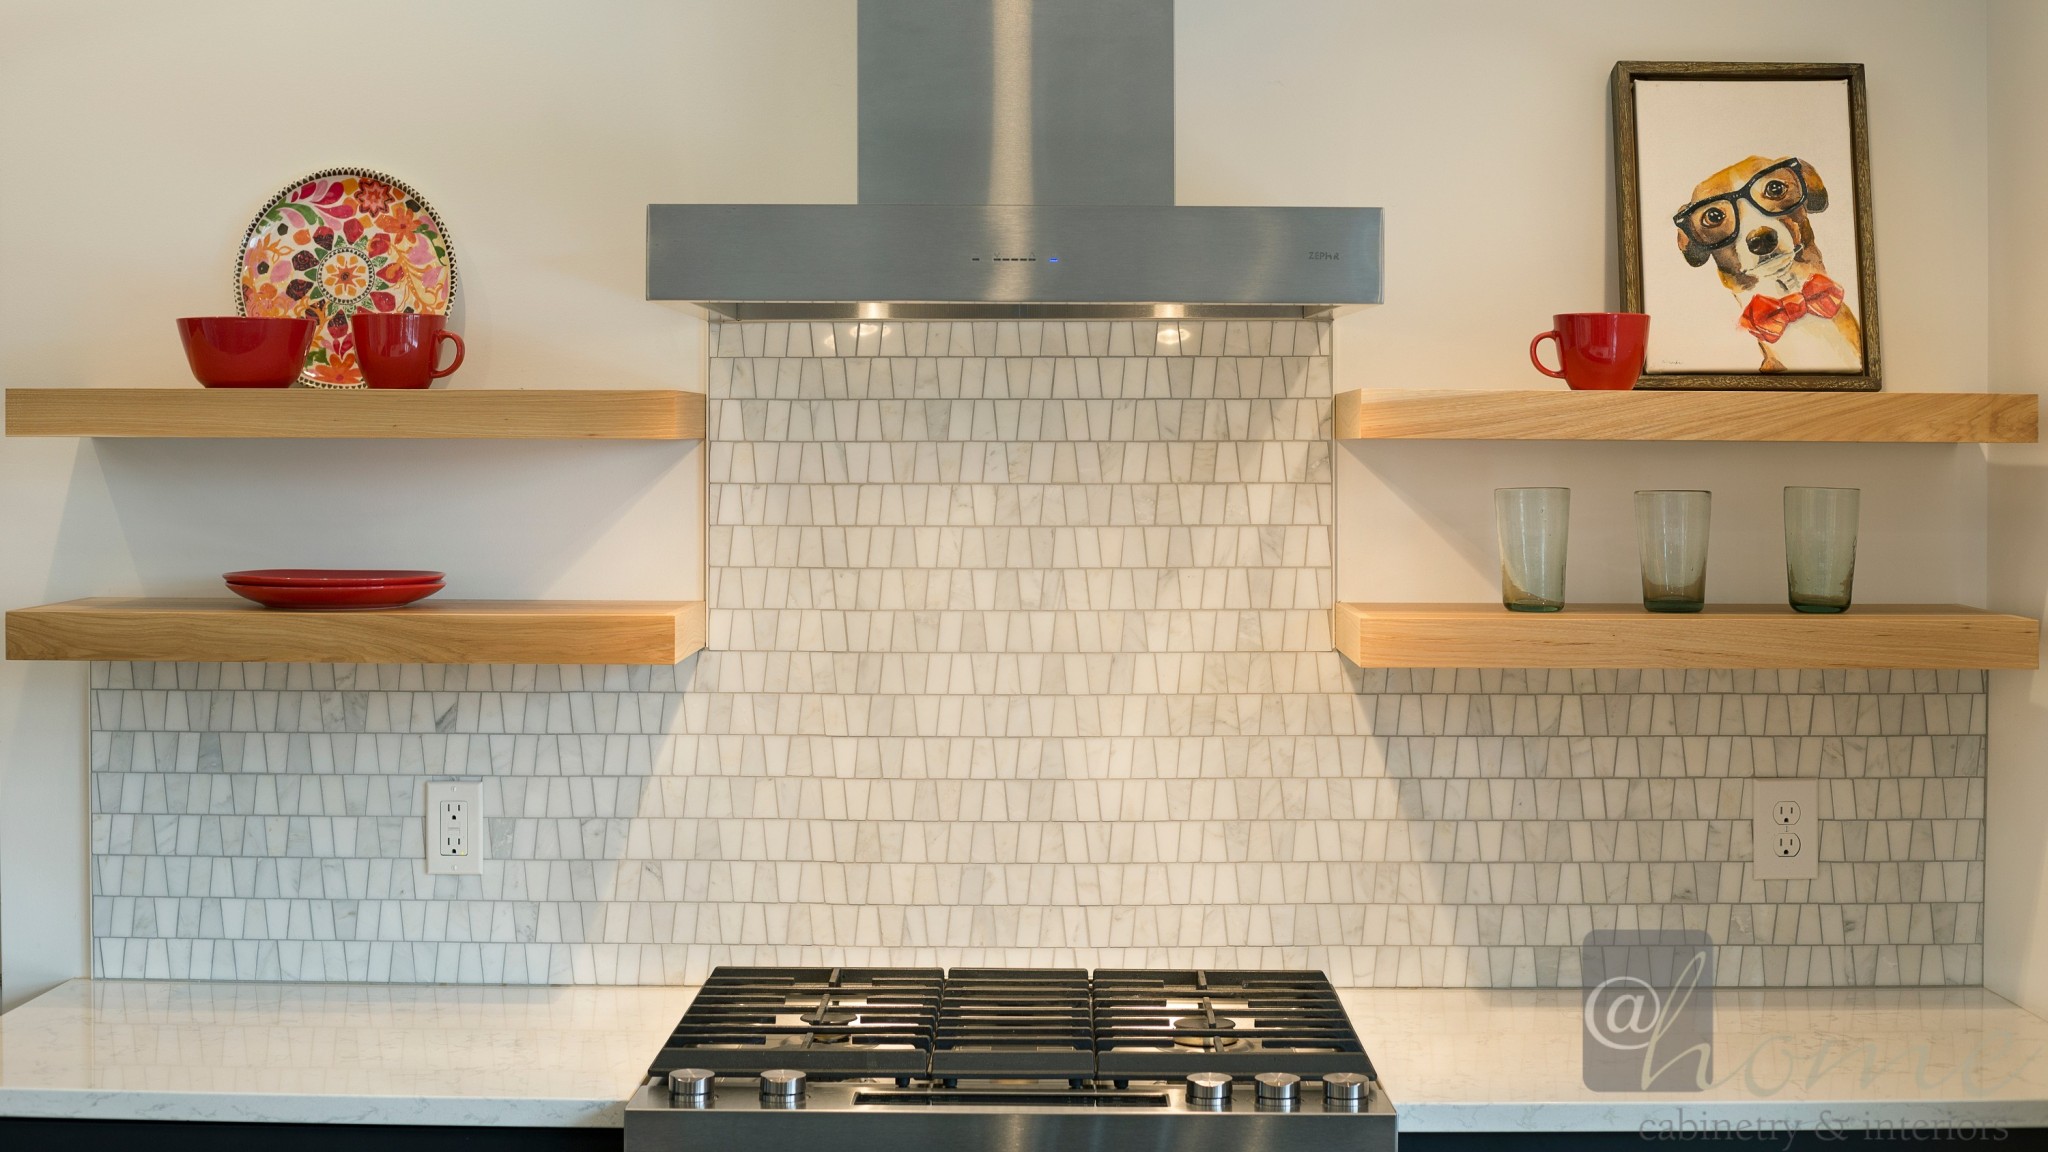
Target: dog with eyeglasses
1750,219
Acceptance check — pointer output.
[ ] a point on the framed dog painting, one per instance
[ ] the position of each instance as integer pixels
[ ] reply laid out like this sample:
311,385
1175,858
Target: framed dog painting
1744,201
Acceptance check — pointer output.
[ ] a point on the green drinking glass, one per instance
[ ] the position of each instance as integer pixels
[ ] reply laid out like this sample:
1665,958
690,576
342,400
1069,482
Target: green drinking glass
1820,547
1671,534
1532,523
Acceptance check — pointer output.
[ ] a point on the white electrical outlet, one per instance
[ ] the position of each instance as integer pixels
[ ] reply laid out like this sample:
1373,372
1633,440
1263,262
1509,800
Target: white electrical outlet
1786,829
455,822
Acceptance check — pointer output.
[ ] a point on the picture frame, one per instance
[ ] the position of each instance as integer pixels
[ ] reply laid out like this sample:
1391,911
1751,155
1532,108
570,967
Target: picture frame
1732,240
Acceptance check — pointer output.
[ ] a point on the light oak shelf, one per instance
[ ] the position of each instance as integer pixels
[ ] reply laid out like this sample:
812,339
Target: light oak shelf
1840,417
452,414
1723,636
431,632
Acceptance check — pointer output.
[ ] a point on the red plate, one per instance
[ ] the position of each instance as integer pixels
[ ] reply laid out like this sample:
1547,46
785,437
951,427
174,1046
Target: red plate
386,596
334,577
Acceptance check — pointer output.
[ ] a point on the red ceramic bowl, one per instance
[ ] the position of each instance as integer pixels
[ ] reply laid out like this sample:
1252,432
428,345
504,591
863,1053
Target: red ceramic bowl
246,351
333,577
384,596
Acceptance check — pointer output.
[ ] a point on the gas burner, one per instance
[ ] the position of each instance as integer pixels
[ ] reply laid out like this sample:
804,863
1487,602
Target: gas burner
1201,1032
1152,1024
827,1022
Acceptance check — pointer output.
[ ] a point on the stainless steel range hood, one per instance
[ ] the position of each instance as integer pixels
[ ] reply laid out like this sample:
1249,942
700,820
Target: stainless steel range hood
1016,160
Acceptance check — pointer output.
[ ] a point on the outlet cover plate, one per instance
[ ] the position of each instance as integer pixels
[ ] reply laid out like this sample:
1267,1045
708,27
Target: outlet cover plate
1785,808
455,818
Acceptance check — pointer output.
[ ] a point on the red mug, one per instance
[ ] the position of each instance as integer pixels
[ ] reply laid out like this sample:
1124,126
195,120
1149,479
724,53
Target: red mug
398,349
1599,350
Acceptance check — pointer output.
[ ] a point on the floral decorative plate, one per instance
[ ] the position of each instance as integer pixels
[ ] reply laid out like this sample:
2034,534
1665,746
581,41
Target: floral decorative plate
338,242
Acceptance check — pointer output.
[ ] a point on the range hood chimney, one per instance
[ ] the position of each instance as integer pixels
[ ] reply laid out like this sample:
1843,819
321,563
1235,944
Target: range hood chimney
1016,160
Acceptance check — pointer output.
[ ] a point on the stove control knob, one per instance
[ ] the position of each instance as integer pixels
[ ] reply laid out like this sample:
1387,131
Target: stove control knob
690,1083
1209,1088
782,1084
1279,1088
1347,1088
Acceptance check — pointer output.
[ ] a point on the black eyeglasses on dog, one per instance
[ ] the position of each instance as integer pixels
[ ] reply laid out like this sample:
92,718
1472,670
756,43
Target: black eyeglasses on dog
1710,223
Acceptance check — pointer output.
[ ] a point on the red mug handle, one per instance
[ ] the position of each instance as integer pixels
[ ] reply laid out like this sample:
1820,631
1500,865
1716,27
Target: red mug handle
1533,358
444,334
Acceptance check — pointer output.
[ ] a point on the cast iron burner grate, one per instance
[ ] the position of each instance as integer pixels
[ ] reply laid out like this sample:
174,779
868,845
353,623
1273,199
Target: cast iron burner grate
1165,1024
830,1022
1015,1024
1003,1024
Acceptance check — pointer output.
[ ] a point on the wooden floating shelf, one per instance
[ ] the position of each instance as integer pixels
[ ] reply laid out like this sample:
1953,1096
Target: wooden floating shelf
1841,417
1723,636
449,414
431,632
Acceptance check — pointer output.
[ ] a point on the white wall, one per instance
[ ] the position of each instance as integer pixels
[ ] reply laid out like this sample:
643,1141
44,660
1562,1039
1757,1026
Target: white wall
545,128
2016,794
138,140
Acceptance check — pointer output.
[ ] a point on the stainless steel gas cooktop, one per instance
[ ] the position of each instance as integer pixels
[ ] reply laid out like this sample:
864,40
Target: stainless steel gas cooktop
900,1059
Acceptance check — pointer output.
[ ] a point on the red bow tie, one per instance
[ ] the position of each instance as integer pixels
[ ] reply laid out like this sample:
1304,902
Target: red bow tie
1767,316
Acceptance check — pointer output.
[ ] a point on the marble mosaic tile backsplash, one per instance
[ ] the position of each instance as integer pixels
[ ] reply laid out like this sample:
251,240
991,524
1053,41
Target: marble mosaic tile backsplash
1020,654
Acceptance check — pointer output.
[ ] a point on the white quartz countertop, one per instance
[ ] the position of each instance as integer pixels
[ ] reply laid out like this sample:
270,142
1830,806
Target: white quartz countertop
1452,1060
556,1057
1467,1060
